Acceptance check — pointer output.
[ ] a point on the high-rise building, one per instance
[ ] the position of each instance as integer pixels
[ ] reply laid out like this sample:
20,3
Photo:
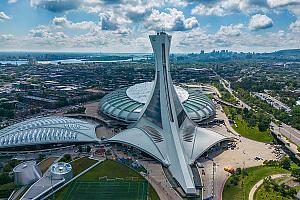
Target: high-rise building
164,129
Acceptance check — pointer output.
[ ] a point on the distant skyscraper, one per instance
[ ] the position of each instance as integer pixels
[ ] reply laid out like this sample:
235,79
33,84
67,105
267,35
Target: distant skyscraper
163,129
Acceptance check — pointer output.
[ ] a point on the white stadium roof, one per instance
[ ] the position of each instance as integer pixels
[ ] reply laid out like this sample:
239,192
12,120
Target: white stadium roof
140,92
125,104
47,130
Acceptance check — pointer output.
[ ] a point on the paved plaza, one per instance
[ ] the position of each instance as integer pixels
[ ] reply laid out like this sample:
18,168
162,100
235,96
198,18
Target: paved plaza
243,156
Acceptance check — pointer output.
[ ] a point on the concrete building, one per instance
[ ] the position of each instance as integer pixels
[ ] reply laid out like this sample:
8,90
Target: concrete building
47,131
58,174
26,173
126,104
164,130
61,170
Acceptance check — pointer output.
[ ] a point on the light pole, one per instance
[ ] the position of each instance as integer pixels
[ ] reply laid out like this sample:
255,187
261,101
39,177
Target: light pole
213,180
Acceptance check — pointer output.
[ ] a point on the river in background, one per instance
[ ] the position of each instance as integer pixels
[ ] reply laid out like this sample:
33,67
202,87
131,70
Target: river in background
67,61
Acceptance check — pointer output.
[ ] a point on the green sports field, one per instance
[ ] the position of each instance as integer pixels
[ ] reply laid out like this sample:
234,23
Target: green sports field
108,190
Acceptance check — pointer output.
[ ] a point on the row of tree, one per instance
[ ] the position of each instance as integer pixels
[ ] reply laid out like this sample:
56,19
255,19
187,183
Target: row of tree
292,118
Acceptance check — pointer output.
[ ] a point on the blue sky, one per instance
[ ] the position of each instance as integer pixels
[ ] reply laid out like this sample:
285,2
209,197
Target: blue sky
124,25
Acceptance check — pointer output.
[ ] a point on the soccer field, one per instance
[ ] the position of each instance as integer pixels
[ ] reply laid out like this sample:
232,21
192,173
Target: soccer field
112,190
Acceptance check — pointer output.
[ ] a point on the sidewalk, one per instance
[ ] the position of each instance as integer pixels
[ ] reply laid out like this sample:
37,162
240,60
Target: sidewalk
159,182
259,183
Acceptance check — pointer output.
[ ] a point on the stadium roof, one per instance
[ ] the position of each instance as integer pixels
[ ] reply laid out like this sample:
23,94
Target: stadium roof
47,130
140,92
125,104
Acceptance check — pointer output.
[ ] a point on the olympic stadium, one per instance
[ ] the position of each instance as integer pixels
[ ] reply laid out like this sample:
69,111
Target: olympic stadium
47,131
125,104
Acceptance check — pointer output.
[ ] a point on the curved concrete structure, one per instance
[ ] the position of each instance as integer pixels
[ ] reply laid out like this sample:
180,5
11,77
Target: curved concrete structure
61,170
47,130
164,128
26,173
126,104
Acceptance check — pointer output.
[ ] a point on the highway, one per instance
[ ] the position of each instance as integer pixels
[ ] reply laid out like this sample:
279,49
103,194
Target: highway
230,90
291,133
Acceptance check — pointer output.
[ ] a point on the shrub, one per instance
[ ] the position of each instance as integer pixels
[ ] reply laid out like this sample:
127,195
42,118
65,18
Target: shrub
285,163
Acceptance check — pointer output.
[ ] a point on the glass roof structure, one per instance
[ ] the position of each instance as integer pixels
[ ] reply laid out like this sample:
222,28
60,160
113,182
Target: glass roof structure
47,130
125,104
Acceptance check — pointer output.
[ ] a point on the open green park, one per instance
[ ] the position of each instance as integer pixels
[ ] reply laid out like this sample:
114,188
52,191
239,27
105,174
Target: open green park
253,133
269,193
81,164
237,187
244,128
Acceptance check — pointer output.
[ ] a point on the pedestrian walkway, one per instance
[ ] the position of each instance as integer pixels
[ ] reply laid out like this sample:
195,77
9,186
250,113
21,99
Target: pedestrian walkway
159,181
259,183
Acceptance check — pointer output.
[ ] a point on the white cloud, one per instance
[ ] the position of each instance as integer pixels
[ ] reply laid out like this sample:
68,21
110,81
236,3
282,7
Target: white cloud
282,3
207,11
295,26
4,17
6,37
56,5
63,22
172,20
198,38
12,1
231,30
124,26
227,7
259,21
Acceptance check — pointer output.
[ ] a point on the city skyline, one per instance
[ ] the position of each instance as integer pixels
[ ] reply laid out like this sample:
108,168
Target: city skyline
123,26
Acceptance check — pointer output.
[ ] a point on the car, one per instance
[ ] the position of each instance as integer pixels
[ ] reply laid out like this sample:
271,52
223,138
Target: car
258,158
199,165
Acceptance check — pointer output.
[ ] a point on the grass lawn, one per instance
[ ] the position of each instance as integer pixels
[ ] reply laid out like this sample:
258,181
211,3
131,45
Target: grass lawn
111,169
262,194
45,164
251,132
247,131
81,164
242,189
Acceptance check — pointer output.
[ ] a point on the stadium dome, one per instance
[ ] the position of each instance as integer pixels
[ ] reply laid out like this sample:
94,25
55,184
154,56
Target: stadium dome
125,104
47,130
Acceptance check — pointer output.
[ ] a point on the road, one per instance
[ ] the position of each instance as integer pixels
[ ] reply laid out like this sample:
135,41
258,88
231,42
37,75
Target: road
230,90
289,132
221,115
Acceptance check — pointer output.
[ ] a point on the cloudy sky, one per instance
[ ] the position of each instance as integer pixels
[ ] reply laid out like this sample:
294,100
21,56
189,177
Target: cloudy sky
124,25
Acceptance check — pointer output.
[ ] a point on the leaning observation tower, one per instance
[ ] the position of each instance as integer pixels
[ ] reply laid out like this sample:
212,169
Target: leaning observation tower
163,129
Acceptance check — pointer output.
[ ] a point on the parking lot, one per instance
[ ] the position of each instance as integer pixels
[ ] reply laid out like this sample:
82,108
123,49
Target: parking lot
245,153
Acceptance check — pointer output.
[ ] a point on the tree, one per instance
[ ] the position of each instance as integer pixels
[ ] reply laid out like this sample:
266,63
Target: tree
285,163
10,165
41,157
270,163
296,173
4,178
263,123
66,158
235,180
